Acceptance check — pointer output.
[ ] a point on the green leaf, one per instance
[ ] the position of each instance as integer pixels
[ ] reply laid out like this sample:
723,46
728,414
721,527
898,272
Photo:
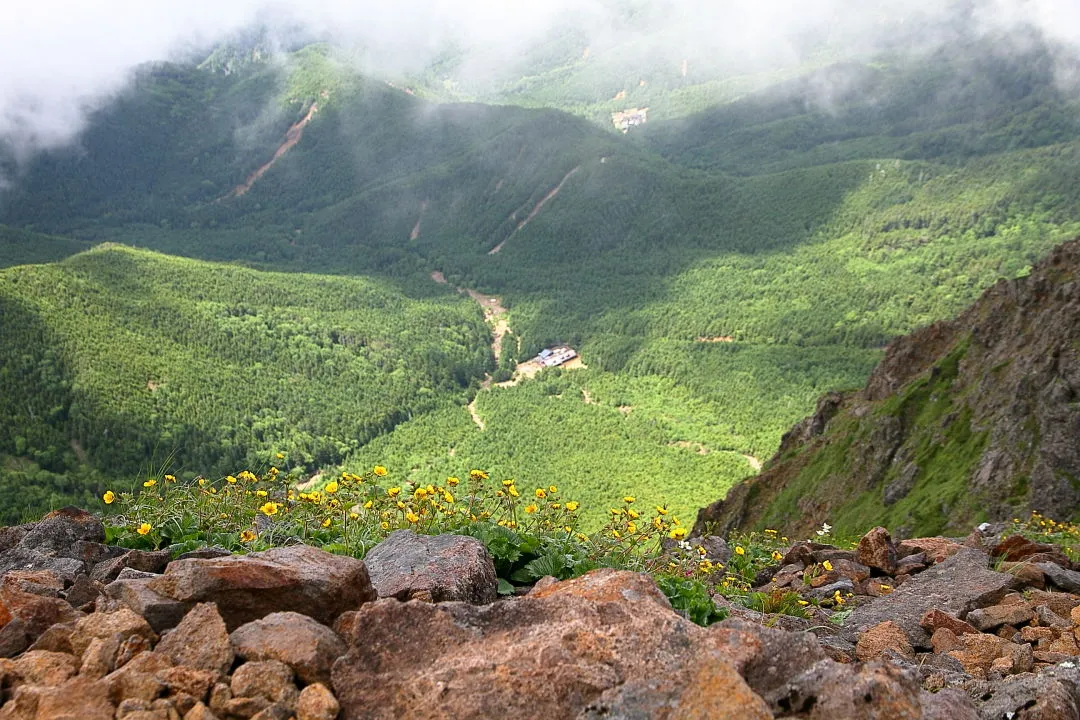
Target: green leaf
505,588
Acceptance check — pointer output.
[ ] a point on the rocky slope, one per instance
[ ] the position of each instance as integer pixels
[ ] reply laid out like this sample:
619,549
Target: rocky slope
966,420
91,631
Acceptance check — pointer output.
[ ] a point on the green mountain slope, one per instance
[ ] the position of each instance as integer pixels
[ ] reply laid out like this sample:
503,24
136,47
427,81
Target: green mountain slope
963,421
117,359
715,279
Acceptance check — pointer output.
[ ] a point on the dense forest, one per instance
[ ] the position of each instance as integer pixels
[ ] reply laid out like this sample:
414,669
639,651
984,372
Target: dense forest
717,270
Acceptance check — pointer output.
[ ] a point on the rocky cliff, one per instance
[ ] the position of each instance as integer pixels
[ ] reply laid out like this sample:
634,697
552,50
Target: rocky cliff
966,420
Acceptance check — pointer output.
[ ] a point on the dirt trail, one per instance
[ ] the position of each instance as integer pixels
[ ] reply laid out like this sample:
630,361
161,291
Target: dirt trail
475,415
291,138
536,210
702,449
754,462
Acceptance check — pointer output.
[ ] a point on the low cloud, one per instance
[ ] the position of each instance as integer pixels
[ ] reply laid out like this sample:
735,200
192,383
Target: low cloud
61,59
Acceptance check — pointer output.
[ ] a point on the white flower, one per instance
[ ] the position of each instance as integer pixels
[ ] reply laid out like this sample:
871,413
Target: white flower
684,545
826,528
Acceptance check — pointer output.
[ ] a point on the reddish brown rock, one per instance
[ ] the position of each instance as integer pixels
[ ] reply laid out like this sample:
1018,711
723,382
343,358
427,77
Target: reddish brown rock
317,703
981,650
934,619
40,667
161,612
1060,603
24,595
119,625
77,699
306,646
269,679
1026,573
943,640
1018,547
558,652
200,641
876,550
200,712
298,578
189,681
879,638
936,549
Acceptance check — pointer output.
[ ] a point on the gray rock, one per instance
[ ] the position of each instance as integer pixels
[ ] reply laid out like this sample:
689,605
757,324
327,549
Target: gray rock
205,553
133,574
160,611
782,655
843,585
1067,580
947,704
141,560
1032,696
956,586
435,568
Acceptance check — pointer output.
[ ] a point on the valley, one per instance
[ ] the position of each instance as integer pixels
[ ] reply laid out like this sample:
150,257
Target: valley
717,269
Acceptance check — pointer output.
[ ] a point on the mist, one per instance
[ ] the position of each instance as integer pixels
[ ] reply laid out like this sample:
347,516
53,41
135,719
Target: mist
62,59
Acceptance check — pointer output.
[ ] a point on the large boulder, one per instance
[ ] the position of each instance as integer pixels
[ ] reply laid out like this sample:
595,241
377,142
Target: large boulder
606,644
436,568
956,586
298,578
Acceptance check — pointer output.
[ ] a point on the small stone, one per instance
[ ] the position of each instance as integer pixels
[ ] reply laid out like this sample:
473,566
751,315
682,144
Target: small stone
159,611
270,679
200,712
1049,618
166,708
943,640
245,707
276,711
934,619
119,625
200,641
300,642
99,657
1036,634
190,681
317,703
83,592
220,695
887,635
1067,580
56,639
77,699
131,705
1060,603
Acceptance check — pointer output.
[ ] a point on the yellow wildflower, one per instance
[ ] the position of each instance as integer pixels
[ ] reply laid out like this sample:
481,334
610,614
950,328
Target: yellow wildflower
629,499
247,536
420,493
631,528
478,475
332,487
109,497
280,456
170,478
384,525
777,555
368,504
739,550
541,493
512,491
827,565
230,479
572,506
144,529
354,516
552,489
661,510
452,481
447,497
412,517
615,534
326,522
394,491
150,483
530,509
632,513
269,508
677,533
379,470
202,482
260,493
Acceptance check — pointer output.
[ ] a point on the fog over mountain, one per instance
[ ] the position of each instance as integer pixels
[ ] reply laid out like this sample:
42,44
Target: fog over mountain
63,58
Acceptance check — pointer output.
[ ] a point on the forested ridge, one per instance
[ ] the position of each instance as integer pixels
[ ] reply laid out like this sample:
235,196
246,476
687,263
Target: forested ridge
800,238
